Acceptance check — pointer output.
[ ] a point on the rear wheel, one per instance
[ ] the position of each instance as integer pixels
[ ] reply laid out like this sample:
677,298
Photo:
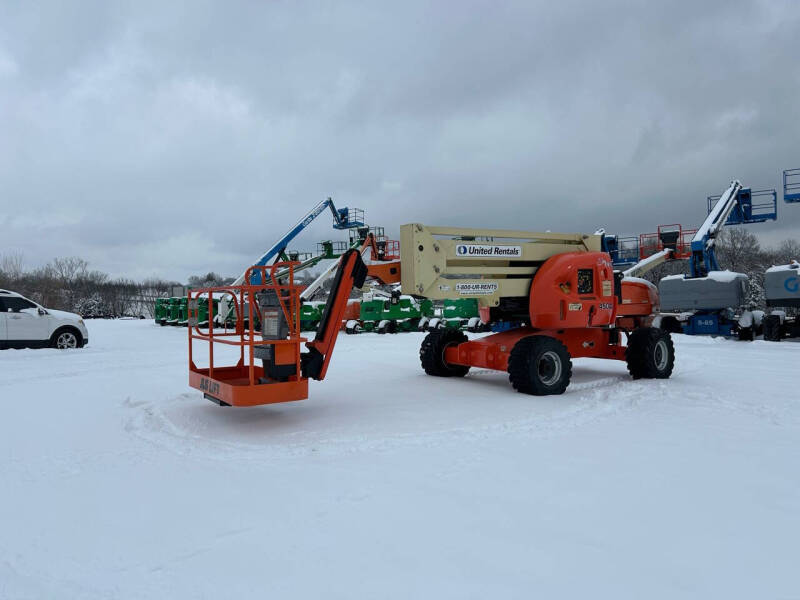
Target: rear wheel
772,328
431,353
650,353
539,365
671,325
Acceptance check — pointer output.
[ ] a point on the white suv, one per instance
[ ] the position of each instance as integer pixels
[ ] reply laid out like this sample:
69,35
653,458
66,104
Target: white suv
25,324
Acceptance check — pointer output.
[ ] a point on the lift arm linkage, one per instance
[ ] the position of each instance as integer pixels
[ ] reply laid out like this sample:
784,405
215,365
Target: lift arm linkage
352,273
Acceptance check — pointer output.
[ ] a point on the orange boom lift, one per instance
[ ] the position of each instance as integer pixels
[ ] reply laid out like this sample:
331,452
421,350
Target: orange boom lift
559,292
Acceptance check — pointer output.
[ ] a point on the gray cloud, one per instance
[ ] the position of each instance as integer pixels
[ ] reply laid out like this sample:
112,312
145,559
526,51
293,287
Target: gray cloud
168,139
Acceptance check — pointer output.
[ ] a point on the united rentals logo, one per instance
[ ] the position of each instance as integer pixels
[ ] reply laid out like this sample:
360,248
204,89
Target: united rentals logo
488,251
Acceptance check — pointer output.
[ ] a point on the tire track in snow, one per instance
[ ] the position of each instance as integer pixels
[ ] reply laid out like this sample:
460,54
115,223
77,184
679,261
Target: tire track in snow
151,422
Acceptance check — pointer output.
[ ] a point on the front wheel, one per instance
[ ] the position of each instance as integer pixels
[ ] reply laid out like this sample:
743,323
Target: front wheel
66,339
539,365
650,353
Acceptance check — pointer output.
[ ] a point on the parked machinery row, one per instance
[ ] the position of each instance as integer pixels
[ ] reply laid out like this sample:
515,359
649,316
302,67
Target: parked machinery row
395,313
175,311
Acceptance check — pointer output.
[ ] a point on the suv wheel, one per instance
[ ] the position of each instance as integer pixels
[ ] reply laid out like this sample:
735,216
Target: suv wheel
66,339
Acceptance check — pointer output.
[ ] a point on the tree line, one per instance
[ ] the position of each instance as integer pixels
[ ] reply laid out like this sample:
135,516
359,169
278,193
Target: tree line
68,284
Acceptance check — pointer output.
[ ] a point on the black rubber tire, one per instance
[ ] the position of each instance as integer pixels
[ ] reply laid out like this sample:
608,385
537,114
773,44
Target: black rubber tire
772,328
645,353
671,325
54,339
539,365
431,353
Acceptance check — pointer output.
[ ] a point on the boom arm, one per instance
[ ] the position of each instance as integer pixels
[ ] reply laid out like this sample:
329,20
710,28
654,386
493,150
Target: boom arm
703,256
352,273
314,286
649,263
340,221
339,218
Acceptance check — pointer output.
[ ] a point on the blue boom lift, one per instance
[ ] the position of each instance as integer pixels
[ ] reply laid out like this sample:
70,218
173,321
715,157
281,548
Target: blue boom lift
707,291
343,218
791,186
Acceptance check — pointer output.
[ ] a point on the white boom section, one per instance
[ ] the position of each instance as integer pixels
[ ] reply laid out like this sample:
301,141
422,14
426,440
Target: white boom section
315,285
225,305
645,265
718,216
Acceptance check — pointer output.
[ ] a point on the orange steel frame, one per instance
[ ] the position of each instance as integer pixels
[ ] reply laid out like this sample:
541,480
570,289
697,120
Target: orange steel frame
235,385
650,243
492,352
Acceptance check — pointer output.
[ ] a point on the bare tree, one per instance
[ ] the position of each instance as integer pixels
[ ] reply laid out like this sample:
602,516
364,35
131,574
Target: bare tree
787,251
210,279
738,249
11,266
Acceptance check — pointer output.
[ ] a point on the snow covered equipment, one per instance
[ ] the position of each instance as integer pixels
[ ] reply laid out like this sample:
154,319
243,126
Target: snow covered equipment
161,311
715,290
392,313
782,287
712,294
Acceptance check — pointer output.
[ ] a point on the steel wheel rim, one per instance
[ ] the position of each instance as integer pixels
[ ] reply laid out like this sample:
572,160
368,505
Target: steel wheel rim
661,355
66,341
548,367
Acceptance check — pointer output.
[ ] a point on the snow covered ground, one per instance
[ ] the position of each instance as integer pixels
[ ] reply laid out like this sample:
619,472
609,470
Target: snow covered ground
119,481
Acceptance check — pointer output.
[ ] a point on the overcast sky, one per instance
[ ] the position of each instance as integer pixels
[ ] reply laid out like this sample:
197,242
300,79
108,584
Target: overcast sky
163,138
